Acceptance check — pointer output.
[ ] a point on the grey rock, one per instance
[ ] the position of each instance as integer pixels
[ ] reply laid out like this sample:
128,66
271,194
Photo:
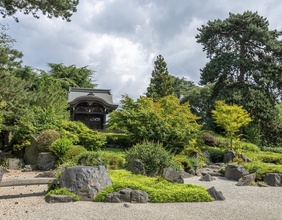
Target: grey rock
192,171
47,174
128,195
136,166
58,198
173,176
31,152
217,195
85,181
273,179
46,161
2,171
126,205
244,158
207,178
247,180
229,156
235,172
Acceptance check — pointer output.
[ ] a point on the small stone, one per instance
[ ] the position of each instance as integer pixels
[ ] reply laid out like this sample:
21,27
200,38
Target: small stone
16,203
126,205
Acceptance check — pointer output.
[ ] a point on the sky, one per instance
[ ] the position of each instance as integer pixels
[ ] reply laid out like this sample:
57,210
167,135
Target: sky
120,39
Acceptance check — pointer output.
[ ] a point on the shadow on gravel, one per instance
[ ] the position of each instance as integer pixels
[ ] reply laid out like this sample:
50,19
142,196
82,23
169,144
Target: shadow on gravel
22,195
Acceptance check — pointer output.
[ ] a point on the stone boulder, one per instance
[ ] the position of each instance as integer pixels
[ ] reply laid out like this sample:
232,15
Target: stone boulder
2,171
31,152
128,195
136,166
173,176
213,169
235,172
273,179
247,180
58,198
216,195
207,178
229,156
46,161
85,181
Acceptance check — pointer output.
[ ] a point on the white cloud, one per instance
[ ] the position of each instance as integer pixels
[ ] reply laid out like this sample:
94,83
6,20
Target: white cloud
120,39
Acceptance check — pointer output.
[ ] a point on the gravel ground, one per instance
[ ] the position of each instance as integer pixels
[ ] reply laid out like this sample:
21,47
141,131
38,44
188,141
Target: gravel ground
246,202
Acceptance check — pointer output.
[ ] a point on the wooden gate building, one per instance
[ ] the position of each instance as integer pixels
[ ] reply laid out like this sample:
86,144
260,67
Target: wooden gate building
91,106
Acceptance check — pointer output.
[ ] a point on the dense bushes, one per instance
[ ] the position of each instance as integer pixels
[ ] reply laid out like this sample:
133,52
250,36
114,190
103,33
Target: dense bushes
46,138
73,152
92,158
158,189
165,121
61,146
80,134
153,156
118,140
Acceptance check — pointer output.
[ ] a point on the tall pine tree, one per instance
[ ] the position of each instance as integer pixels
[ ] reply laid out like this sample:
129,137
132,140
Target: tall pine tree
161,84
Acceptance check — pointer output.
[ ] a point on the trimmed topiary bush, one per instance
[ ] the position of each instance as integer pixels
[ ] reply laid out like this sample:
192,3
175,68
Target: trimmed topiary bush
80,134
153,156
46,138
158,189
73,152
61,146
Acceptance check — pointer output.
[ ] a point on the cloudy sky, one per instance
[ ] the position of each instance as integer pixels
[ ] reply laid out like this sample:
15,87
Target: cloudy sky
120,39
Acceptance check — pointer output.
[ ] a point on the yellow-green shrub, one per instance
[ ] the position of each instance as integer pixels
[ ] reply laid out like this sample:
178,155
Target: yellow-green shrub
73,152
63,191
158,189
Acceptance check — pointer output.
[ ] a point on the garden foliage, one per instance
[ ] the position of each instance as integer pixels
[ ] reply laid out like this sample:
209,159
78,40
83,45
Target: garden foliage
158,189
165,121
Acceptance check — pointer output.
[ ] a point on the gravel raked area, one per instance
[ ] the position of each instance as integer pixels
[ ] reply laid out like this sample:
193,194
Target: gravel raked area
245,202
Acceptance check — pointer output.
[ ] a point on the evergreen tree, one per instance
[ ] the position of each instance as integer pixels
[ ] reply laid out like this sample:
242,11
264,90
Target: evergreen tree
246,66
51,8
161,84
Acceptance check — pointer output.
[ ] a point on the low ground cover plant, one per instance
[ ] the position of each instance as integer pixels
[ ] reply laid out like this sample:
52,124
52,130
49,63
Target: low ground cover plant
158,189
63,191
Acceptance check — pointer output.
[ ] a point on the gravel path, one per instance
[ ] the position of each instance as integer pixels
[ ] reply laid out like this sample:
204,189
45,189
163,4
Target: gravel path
27,203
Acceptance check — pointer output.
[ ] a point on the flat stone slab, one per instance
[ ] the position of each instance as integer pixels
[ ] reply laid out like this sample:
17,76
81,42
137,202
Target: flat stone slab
25,182
58,198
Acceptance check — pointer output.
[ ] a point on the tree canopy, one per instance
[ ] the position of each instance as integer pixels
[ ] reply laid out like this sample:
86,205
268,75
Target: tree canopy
51,8
161,83
231,118
245,66
165,121
72,76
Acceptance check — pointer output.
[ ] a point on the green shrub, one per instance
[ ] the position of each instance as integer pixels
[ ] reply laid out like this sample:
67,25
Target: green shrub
46,138
118,140
63,191
183,160
249,147
90,158
158,189
154,157
80,134
61,146
215,154
73,152
262,168
92,140
270,158
111,160
272,149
